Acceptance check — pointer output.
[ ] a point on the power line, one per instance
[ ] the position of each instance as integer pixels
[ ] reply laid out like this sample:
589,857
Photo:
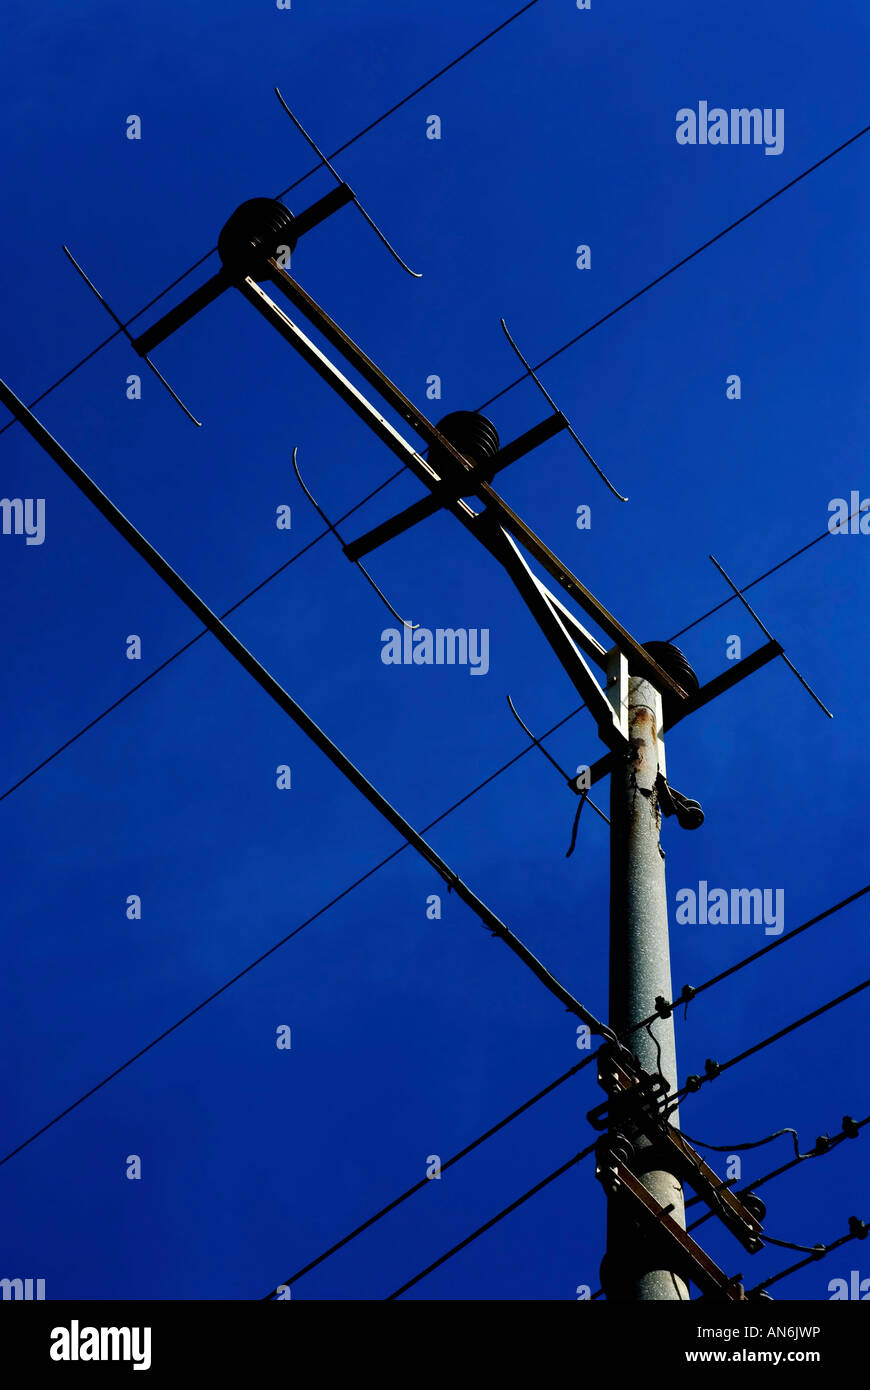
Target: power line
399,472
454,882
213,624
854,1234
494,1129
749,1144
187,645
299,553
519,380
752,583
285,702
799,1023
191,1013
416,92
718,1207
551,357
583,1154
95,495
265,955
828,1146
558,1082
369,873
694,1083
295,184
690,992
781,940
685,260
488,1225
424,1182
319,913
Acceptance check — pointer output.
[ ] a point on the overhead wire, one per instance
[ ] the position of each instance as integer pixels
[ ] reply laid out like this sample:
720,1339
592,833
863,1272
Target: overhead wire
828,1146
281,568
552,355
259,959
818,1254
163,665
695,1083
285,702
690,992
420,1185
295,184
493,1221
818,1250
683,261
424,1182
191,1013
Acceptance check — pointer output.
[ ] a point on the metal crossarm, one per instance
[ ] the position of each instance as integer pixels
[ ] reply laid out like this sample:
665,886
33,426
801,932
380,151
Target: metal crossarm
640,659
223,280
659,1225
428,506
717,686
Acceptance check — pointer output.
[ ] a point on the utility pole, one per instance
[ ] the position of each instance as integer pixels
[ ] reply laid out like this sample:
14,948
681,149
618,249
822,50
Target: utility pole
640,970
642,1159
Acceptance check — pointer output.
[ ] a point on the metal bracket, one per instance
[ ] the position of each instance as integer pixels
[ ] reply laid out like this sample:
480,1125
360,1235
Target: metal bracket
561,629
633,1097
629,1089
617,688
684,1254
717,686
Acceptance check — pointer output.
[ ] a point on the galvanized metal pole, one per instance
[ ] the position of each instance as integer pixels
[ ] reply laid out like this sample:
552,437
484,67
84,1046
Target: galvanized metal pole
639,971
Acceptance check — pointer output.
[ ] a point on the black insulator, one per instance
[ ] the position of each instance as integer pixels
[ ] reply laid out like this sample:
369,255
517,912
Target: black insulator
754,1205
850,1129
476,439
675,664
254,232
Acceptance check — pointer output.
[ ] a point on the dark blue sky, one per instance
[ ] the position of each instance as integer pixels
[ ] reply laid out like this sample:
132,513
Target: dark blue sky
410,1036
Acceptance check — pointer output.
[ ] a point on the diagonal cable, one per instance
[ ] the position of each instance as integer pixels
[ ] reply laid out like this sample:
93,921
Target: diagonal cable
424,1182
295,184
493,1221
